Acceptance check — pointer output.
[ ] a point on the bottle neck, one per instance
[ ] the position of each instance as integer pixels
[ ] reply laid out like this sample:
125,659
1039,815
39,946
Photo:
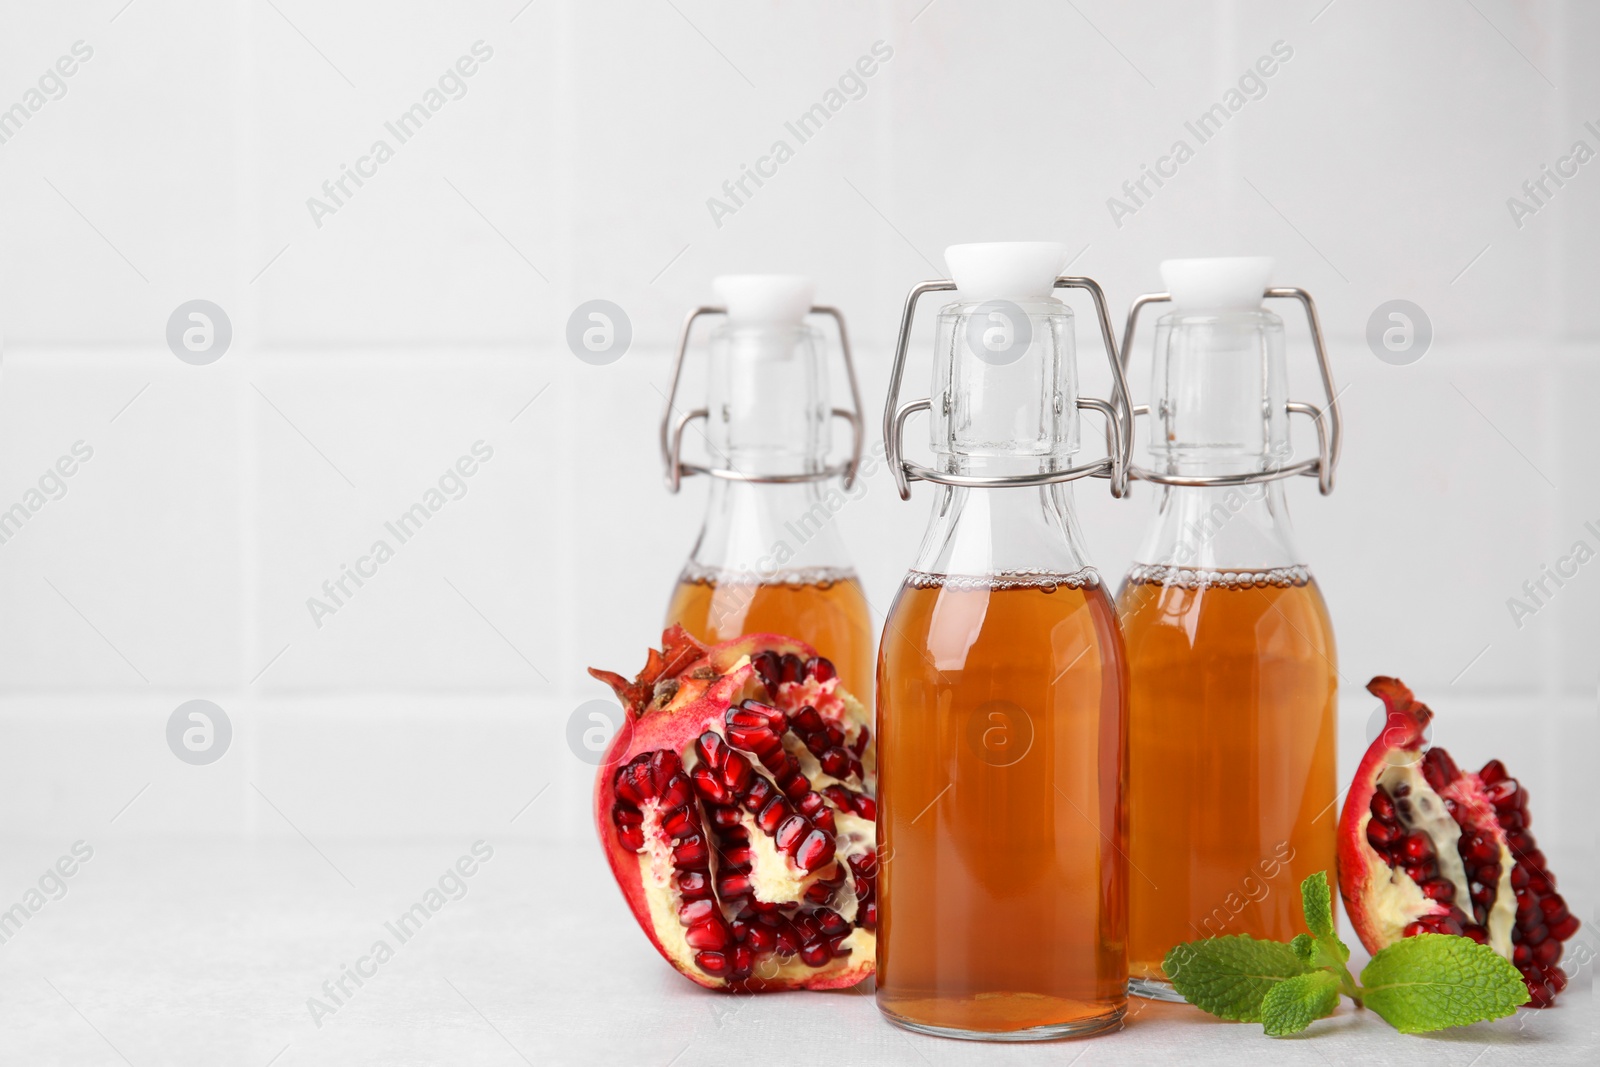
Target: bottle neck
767,408
998,533
757,532
1242,528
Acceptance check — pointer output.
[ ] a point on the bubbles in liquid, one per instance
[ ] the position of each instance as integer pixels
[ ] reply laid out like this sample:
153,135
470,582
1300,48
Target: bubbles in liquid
822,578
1044,581
1197,578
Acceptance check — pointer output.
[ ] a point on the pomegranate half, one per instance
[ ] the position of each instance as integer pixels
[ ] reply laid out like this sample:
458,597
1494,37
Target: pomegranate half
1427,848
736,809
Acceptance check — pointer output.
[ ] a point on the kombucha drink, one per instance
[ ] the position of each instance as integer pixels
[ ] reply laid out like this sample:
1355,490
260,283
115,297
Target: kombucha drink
825,608
1000,718
1002,684
1231,781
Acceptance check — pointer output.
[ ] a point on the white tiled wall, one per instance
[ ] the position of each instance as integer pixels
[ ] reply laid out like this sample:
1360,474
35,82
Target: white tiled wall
374,350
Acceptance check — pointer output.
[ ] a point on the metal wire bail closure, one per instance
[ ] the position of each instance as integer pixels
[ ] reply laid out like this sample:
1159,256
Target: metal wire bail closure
672,429
1330,430
1119,424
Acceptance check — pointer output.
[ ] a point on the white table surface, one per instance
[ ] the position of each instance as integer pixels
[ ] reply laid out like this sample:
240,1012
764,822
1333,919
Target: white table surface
178,952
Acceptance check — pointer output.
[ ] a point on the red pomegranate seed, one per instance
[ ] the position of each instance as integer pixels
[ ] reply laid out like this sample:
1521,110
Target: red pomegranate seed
815,954
737,773
768,667
748,715
773,815
711,934
1478,850
758,739
1416,845
1562,929
859,745
1439,769
1557,978
1519,877
711,749
1439,889
1477,933
691,853
833,923
1420,872
1381,836
713,963
711,790
1547,952
1492,772
1382,806
792,670
633,784
791,832
1553,907
821,669
761,939
794,784
680,823
816,850
1533,936
696,911
755,798
806,720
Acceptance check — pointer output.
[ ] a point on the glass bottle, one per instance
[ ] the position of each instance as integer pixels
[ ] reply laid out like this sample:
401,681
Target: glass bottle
1230,648
769,557
1002,685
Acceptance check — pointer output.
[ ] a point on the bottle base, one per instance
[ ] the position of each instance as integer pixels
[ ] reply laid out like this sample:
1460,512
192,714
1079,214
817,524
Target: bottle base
1052,1032
1154,989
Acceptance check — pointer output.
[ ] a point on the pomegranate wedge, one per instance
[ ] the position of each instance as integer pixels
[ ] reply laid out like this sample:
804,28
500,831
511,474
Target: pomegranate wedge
736,811
1427,848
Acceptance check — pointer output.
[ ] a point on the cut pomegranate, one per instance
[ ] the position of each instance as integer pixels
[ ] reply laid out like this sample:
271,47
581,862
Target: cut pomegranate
1425,847
736,812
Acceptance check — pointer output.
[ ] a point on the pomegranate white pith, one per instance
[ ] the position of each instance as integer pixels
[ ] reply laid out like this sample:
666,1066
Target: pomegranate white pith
737,815
1426,848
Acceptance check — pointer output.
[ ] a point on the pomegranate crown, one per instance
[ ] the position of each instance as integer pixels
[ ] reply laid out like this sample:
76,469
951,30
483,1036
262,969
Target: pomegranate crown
678,651
1407,716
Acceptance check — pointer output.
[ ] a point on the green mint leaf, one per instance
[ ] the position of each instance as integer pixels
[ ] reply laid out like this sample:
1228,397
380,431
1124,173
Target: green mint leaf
1316,903
1295,1003
1305,949
1316,900
1229,976
1434,981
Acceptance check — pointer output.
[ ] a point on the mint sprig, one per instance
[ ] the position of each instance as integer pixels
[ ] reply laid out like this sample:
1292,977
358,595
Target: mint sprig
1422,983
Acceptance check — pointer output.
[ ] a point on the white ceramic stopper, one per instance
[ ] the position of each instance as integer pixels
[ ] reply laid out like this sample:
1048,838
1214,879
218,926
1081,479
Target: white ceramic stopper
765,299
1005,270
1225,283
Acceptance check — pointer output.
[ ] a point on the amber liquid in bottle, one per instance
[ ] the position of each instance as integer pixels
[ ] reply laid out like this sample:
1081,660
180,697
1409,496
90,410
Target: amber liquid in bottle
826,609
1231,774
1001,714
